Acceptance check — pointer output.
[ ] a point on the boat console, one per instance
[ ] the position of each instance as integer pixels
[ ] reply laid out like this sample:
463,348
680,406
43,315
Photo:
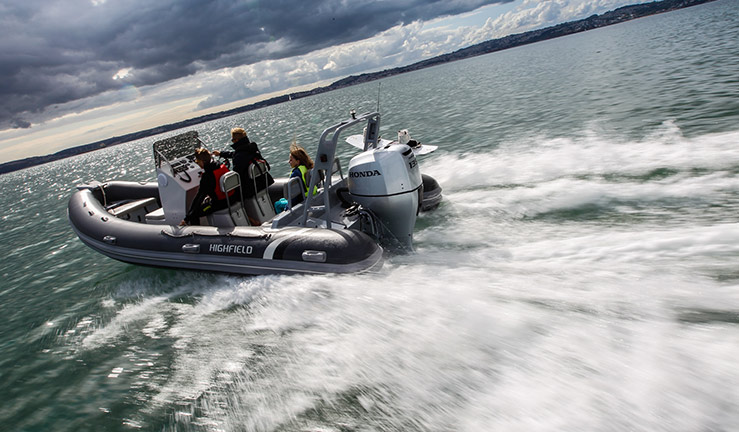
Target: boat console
178,177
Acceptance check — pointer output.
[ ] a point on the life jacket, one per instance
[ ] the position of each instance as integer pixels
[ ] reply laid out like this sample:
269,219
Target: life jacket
303,171
218,173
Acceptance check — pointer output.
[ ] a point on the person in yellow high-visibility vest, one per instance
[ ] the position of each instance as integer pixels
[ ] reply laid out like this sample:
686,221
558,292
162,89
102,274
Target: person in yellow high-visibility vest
300,163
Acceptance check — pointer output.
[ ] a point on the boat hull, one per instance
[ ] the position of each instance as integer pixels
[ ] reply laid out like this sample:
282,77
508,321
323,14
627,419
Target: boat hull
246,250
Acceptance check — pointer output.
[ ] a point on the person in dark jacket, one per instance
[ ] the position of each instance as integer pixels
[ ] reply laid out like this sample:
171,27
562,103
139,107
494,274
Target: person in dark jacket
243,154
207,199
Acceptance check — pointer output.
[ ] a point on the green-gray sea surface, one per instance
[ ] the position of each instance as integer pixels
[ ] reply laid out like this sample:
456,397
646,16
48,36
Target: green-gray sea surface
580,274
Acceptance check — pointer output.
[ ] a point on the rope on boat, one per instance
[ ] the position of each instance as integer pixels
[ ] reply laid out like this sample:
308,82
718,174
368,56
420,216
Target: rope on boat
265,236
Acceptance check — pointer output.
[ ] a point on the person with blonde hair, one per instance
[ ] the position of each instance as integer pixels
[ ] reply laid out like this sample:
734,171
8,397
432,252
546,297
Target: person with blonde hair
244,153
301,163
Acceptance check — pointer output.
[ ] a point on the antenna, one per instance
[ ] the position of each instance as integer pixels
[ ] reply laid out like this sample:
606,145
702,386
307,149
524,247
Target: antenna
378,95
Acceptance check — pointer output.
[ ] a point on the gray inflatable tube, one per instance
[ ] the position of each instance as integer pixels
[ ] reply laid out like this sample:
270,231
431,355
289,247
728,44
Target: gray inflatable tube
247,250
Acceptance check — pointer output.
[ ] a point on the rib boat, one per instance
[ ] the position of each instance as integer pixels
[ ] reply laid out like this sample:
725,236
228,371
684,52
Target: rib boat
343,228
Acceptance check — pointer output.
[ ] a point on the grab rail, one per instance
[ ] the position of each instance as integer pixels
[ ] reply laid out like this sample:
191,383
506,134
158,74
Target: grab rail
326,155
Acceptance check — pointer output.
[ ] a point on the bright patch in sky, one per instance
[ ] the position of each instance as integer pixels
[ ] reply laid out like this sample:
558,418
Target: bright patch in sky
475,19
123,73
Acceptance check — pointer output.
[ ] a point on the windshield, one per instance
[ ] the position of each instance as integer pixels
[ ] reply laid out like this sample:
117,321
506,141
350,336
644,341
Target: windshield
176,147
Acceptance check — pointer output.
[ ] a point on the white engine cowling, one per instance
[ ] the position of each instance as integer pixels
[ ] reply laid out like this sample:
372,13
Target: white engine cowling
388,182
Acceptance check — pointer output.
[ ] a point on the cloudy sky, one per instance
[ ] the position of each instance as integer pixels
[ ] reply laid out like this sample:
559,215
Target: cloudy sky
77,71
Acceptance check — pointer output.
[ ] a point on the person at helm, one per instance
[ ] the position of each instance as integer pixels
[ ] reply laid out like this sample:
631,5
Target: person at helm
209,198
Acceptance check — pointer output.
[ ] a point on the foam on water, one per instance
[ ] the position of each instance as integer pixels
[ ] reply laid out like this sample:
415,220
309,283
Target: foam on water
521,310
524,314
423,348
539,159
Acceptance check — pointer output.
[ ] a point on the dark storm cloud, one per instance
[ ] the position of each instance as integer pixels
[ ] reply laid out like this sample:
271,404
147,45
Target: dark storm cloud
58,51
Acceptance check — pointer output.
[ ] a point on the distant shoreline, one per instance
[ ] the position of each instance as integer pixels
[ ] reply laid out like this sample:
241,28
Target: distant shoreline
615,16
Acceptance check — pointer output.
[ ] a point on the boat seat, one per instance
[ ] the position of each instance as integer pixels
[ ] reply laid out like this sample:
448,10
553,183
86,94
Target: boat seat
307,178
259,208
156,217
234,214
135,210
292,190
336,169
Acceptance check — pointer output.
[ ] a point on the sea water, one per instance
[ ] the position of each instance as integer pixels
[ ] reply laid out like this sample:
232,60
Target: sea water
580,273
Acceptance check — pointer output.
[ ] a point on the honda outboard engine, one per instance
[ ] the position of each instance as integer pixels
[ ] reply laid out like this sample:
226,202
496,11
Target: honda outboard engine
388,182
